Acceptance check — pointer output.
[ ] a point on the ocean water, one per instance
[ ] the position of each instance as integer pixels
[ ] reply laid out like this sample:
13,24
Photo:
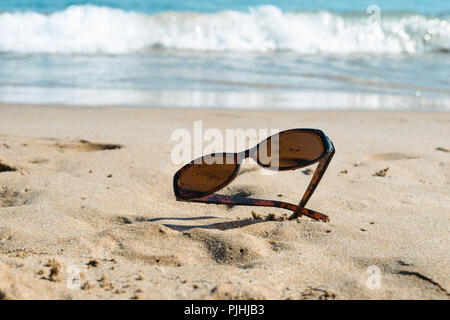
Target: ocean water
351,54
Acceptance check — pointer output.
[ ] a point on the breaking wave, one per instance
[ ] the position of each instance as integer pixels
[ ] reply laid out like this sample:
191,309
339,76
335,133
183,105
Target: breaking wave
91,29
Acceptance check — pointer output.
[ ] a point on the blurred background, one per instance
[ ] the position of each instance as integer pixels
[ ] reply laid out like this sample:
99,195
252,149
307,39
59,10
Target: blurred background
351,54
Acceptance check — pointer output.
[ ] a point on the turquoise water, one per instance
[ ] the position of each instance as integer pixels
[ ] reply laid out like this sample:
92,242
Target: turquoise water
280,54
156,6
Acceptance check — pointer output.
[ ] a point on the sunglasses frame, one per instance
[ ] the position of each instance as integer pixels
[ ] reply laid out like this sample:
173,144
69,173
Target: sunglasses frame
211,197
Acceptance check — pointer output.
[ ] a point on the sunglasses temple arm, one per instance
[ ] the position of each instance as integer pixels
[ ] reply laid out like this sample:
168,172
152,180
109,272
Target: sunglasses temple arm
318,174
234,200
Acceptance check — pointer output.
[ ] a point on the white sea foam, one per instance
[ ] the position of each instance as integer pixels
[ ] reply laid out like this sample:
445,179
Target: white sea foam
91,29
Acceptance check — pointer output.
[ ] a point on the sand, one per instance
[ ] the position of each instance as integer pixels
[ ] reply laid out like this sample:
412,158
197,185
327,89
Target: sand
87,209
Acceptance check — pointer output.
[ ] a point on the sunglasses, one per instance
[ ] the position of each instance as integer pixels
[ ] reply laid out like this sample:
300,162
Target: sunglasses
287,150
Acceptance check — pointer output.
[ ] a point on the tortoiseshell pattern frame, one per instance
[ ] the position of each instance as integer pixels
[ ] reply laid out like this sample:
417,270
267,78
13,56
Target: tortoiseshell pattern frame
211,197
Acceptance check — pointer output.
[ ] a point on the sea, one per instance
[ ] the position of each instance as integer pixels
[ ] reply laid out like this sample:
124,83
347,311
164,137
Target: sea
287,54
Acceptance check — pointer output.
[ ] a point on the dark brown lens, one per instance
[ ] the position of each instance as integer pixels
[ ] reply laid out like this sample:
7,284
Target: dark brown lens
291,149
205,176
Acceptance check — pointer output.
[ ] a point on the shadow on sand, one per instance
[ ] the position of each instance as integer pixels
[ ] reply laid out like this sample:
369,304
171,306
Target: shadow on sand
218,225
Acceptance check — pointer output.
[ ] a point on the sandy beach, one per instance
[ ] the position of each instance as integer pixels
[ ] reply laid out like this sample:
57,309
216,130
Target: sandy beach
86,194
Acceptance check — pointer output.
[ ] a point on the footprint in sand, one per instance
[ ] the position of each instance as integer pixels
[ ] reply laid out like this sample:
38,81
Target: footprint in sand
43,148
86,146
39,151
392,156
